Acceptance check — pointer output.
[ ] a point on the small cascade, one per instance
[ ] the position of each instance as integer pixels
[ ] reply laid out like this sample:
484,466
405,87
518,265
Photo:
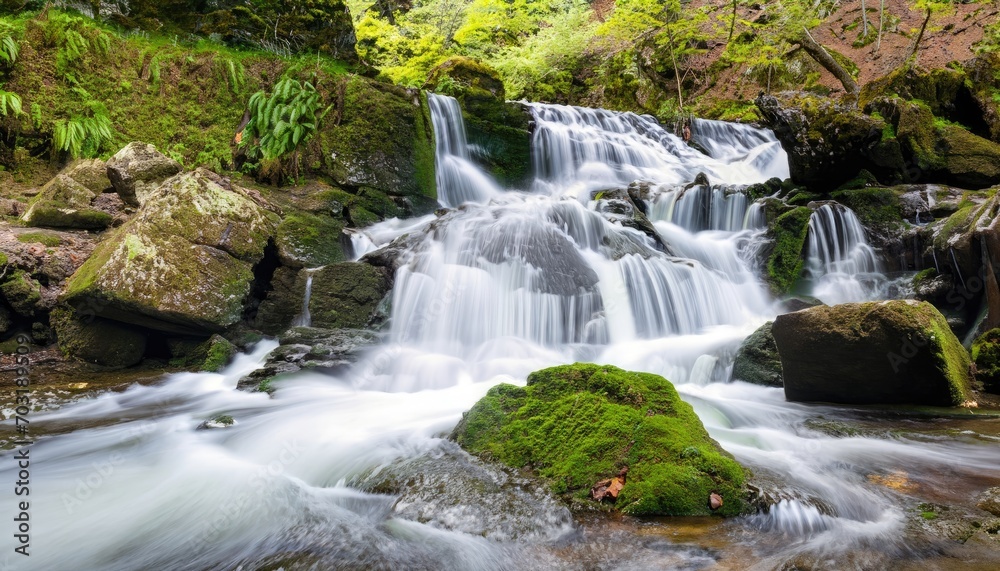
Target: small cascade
304,319
459,180
579,149
841,266
700,207
738,143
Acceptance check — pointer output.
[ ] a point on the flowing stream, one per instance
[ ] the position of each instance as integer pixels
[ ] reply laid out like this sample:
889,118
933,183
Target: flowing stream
354,471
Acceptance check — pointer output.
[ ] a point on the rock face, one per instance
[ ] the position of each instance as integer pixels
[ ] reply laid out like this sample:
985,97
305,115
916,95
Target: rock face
577,425
787,235
757,359
826,143
137,170
183,264
986,355
65,203
347,294
892,352
99,341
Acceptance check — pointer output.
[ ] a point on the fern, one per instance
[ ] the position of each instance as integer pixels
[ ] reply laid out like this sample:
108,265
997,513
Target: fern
9,50
10,101
84,136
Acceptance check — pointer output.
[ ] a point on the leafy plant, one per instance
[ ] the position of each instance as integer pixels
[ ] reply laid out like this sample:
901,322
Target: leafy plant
281,122
10,103
84,135
9,50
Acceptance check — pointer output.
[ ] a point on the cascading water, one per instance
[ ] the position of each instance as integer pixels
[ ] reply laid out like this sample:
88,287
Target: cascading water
458,178
304,319
508,284
840,264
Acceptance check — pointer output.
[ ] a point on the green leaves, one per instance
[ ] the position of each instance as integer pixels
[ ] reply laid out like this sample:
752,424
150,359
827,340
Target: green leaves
10,103
283,120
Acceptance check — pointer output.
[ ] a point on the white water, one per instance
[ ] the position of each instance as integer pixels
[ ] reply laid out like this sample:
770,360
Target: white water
841,265
458,180
509,284
304,319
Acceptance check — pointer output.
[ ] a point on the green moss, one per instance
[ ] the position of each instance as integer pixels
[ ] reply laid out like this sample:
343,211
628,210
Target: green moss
878,208
923,276
986,355
224,420
22,292
577,424
50,240
97,340
788,234
3,259
56,218
310,239
346,294
956,223
928,515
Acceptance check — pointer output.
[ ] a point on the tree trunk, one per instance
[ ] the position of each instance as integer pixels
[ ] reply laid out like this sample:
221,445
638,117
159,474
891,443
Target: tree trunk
881,24
732,23
677,72
920,36
823,57
864,19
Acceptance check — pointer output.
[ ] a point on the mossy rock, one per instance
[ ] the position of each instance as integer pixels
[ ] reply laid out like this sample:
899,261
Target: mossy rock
459,75
96,340
878,209
788,235
65,203
575,425
346,295
383,140
889,352
309,240
137,169
183,263
986,356
22,293
938,89
92,174
210,355
757,359
282,303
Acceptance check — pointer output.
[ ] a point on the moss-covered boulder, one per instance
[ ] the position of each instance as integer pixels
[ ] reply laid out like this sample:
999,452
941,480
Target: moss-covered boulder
22,293
827,143
309,240
210,355
136,171
347,295
787,234
65,203
96,340
90,173
986,355
576,425
382,138
891,352
757,359
184,263
458,75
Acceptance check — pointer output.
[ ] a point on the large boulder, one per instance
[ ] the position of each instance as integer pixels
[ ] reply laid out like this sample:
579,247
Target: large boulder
757,359
65,203
184,263
96,340
581,425
347,295
890,352
136,170
786,234
309,240
827,143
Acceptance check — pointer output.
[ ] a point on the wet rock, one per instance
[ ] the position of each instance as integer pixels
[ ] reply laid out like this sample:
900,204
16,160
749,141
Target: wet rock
210,355
137,169
798,303
311,348
577,424
989,501
891,352
757,359
282,303
986,356
183,264
347,295
99,341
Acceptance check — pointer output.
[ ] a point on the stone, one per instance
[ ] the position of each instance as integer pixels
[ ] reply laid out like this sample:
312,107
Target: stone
986,356
136,170
989,501
65,203
889,352
347,294
757,359
92,174
578,424
183,264
96,340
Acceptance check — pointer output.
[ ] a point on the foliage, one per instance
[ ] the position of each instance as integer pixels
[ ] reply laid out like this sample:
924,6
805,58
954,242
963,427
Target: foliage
282,121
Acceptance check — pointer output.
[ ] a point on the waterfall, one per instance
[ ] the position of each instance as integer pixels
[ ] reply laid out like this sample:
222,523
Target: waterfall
352,469
458,179
840,264
303,319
